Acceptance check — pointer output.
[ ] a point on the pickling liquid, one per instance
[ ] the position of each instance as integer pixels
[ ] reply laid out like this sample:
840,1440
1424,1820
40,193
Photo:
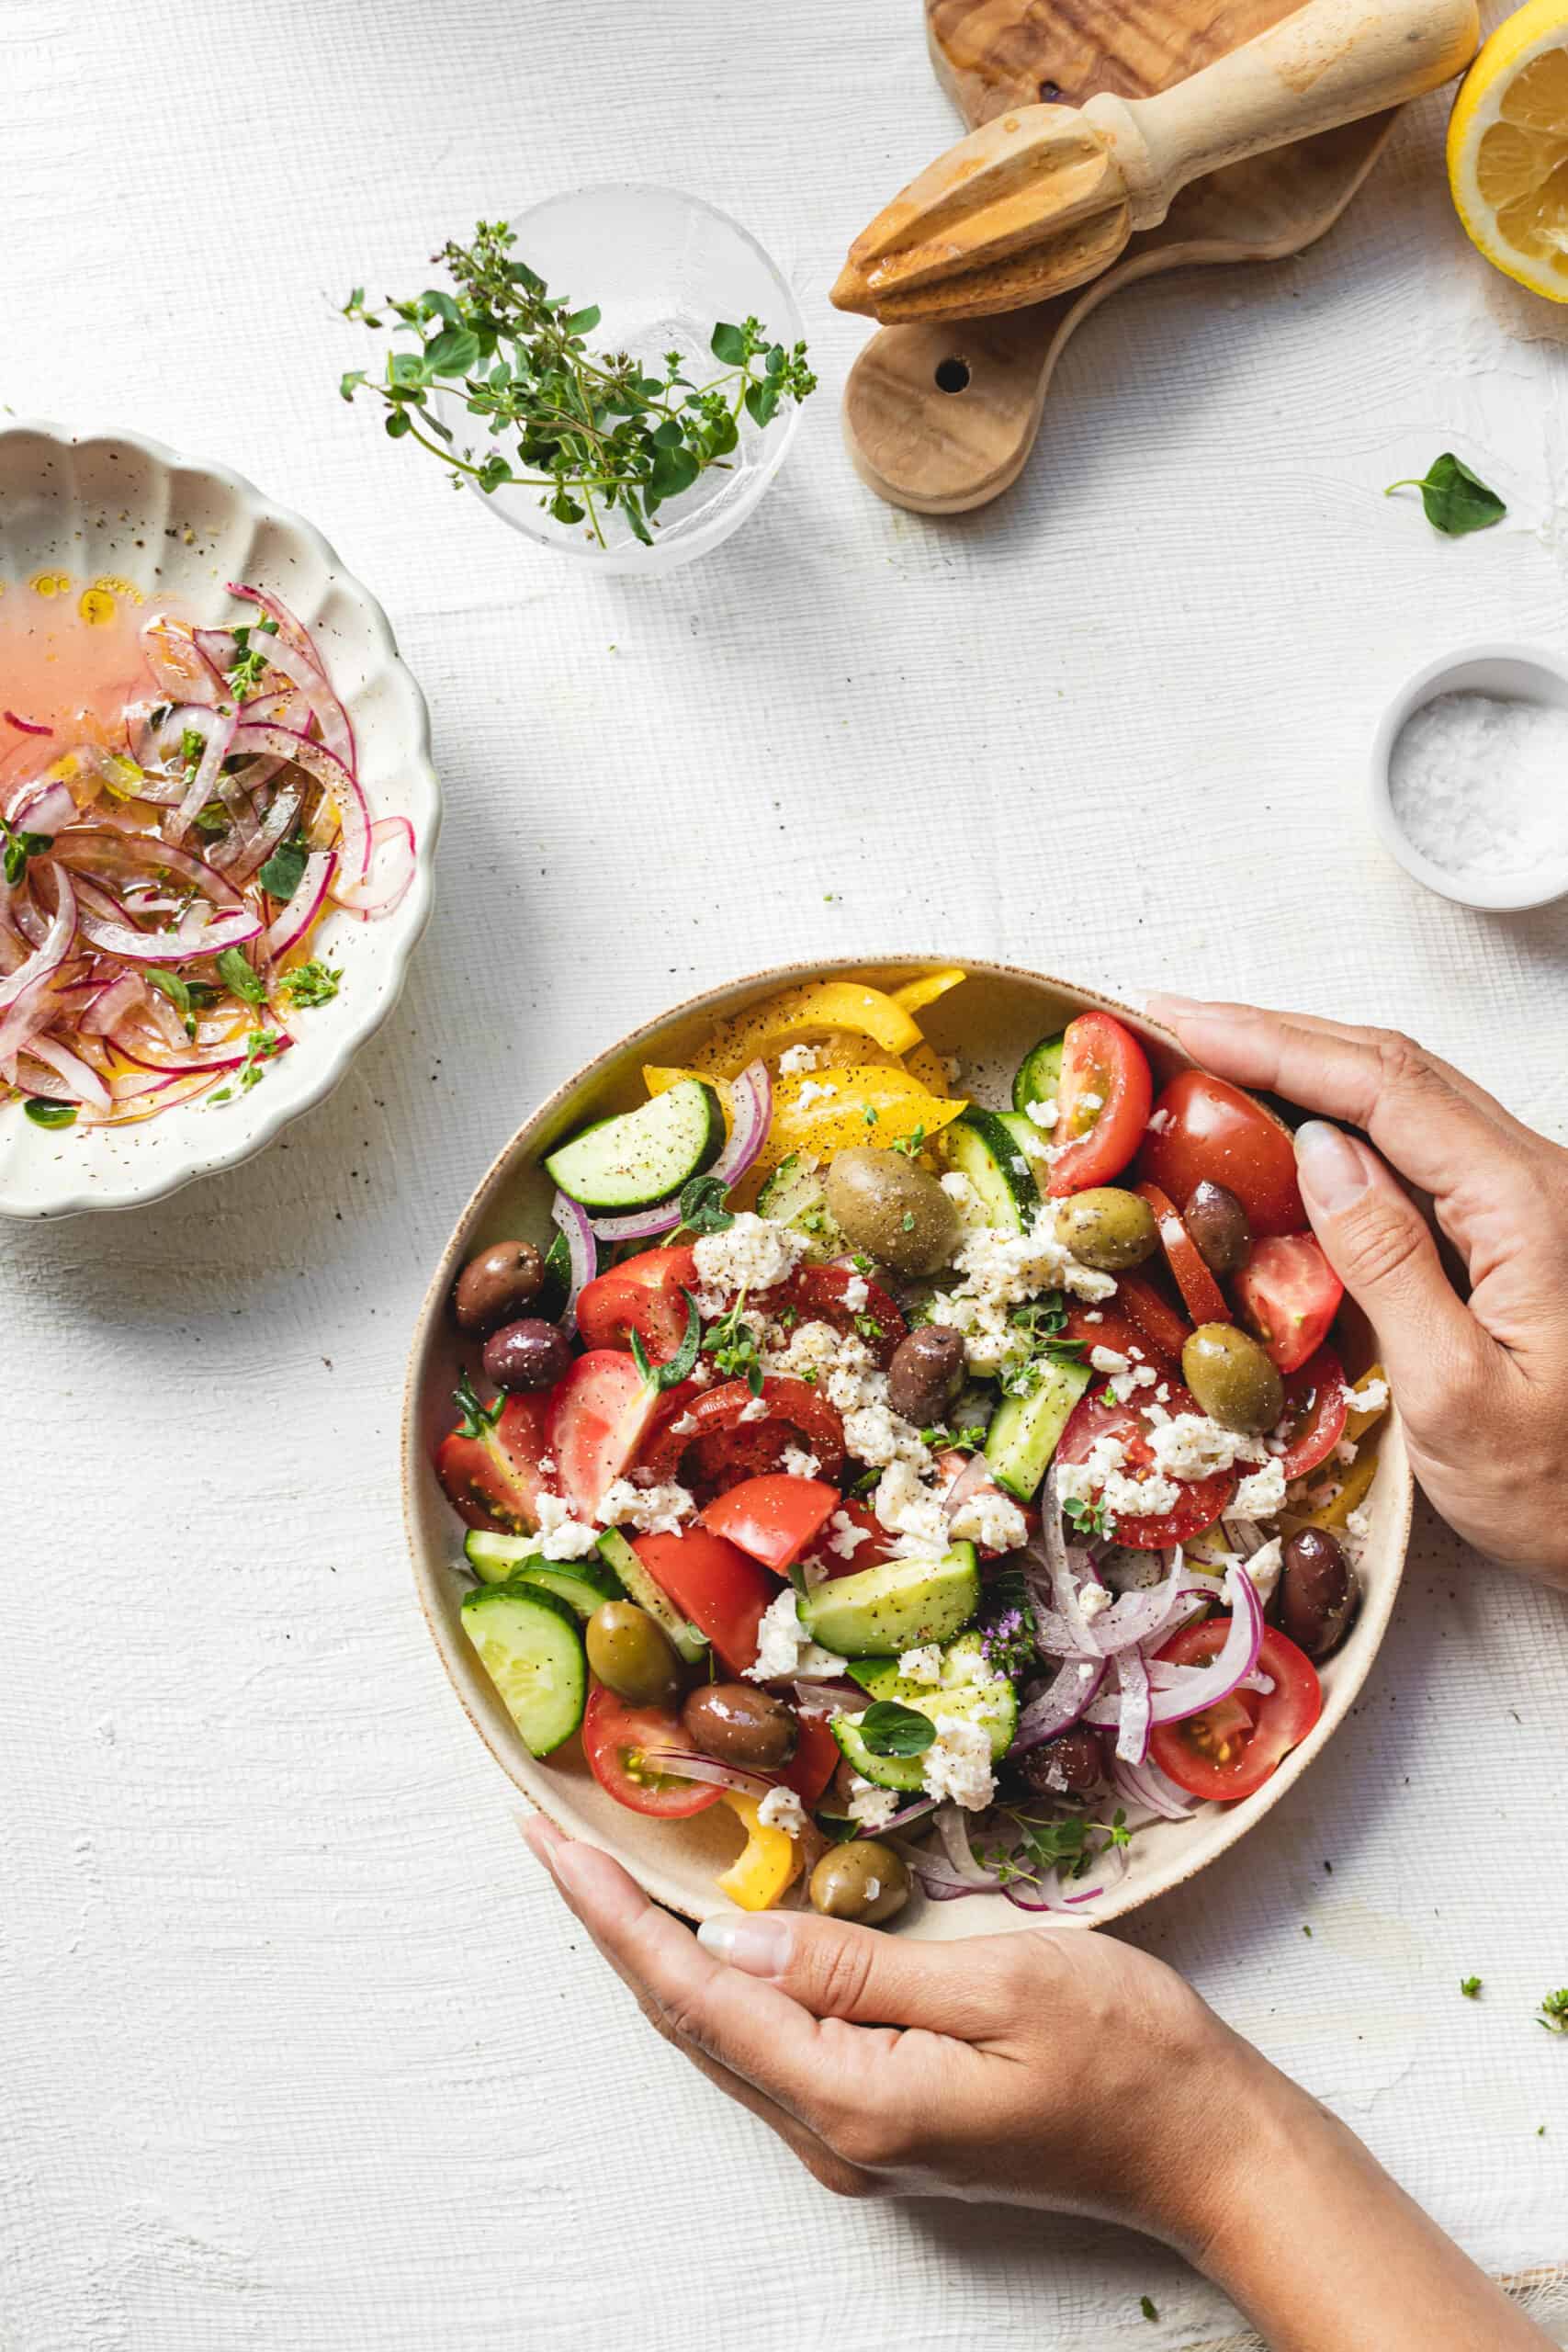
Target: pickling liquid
66,647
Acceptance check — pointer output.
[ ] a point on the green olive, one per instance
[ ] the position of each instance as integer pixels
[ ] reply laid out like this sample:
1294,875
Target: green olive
1232,1378
896,1212
630,1655
862,1880
1107,1228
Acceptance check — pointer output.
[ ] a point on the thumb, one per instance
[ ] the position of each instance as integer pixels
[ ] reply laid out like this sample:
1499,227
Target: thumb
1383,1250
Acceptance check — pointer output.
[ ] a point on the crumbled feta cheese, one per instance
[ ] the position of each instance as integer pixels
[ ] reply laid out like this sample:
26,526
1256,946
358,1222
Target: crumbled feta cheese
957,1764
1264,1568
756,1411
785,1648
1126,1383
561,1537
656,1510
807,1352
909,1510
1044,1114
781,1809
1093,1600
796,1060
1100,1477
1192,1446
873,1807
1358,1525
1019,1165
799,1463
685,1426
1370,1397
844,1537
814,1090
1157,1124
548,1465
1345,1450
998,1271
924,1665
1109,1360
1262,1494
987,1517
857,1291
954,1067
961,1192
754,1253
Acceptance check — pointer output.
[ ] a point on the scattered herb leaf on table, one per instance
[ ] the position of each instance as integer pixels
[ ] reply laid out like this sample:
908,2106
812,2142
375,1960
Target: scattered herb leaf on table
1456,500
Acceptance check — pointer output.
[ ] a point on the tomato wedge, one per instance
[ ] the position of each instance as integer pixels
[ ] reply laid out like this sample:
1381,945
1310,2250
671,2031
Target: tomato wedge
731,1440
815,1761
1205,1126
1102,1102
598,1414
715,1584
879,1545
1203,1500
821,1294
1168,1331
1232,1747
773,1519
1315,1413
644,1295
617,1740
496,1480
1200,1294
1290,1294
1121,1332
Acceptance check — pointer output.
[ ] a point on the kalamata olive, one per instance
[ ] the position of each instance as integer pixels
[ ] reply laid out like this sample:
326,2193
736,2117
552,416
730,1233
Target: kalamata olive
629,1653
740,1724
1232,1378
1217,1223
526,1355
1317,1591
926,1373
494,1287
1107,1228
1074,1760
862,1880
896,1212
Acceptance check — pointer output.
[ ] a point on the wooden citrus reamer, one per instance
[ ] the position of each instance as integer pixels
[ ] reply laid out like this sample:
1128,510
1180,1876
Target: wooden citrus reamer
939,416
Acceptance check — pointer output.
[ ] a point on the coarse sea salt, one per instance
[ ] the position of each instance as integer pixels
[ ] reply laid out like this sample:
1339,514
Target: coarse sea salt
1479,783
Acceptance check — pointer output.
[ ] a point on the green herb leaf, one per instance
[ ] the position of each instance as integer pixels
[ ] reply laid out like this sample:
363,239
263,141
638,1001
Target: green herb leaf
169,984
889,1729
680,1366
476,1418
1554,2012
1470,1987
44,1113
236,971
1147,2306
311,983
280,876
260,1047
1456,500
727,344
455,353
1089,1518
702,1205
910,1145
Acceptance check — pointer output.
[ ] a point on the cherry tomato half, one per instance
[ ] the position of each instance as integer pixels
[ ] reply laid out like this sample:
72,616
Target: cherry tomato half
729,1440
723,1591
495,1480
1102,1102
1290,1294
815,1761
1200,1294
1315,1415
598,1414
879,1545
819,1294
644,1295
1203,1500
1168,1332
1208,1127
773,1519
1232,1747
617,1739
1122,1331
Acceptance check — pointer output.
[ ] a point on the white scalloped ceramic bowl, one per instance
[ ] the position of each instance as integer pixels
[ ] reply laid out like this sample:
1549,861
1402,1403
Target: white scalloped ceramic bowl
110,506
990,1022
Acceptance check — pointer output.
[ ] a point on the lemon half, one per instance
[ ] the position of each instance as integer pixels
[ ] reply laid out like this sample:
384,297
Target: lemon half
1509,149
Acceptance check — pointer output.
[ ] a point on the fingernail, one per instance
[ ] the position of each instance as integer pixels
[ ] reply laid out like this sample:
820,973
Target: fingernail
1171,1007
1333,1169
566,1861
758,1946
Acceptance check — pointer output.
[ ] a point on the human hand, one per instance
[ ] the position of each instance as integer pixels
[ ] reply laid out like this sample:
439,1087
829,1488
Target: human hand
1483,1382
1051,2068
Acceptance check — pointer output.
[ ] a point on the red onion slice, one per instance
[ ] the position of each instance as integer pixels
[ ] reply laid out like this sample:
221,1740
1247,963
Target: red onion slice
687,1764
901,1819
751,1113
293,652
381,894
336,780
83,1081
48,810
1132,1727
573,1221
294,920
953,1832
25,726
1145,1785
51,951
219,731
1061,1704
243,862
112,1003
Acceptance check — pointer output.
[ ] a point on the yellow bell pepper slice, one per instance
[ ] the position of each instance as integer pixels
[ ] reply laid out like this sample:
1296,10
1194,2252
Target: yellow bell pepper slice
827,1122
658,1078
915,995
1357,1423
812,1011
769,1861
926,1067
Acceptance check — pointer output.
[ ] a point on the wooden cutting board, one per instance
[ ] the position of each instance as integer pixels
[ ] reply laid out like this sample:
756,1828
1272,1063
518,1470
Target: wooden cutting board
942,417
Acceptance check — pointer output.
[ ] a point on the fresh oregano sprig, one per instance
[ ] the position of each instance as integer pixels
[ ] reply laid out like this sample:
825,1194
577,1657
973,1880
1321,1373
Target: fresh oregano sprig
591,431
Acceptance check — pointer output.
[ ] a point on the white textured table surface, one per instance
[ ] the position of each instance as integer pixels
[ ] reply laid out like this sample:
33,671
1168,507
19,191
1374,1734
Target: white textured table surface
296,2050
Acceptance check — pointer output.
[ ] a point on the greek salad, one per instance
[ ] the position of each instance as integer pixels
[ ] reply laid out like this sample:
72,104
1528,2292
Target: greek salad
951,1491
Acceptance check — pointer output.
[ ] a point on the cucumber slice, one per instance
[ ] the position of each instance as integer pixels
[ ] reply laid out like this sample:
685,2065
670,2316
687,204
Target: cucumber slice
502,1559
616,1552
981,1148
1040,1072
529,1645
793,1194
896,1607
1024,1431
644,1156
977,1697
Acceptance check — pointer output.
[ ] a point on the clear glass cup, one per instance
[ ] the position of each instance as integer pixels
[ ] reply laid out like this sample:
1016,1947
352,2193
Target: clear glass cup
663,268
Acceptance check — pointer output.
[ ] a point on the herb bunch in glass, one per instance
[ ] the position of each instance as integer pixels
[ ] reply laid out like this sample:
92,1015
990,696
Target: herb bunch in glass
592,432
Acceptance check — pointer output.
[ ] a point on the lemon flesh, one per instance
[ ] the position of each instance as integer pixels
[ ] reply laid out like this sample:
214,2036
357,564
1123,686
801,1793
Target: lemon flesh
1509,149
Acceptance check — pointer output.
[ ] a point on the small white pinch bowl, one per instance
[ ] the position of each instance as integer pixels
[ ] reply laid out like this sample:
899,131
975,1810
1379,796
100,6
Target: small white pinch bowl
112,506
1516,672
